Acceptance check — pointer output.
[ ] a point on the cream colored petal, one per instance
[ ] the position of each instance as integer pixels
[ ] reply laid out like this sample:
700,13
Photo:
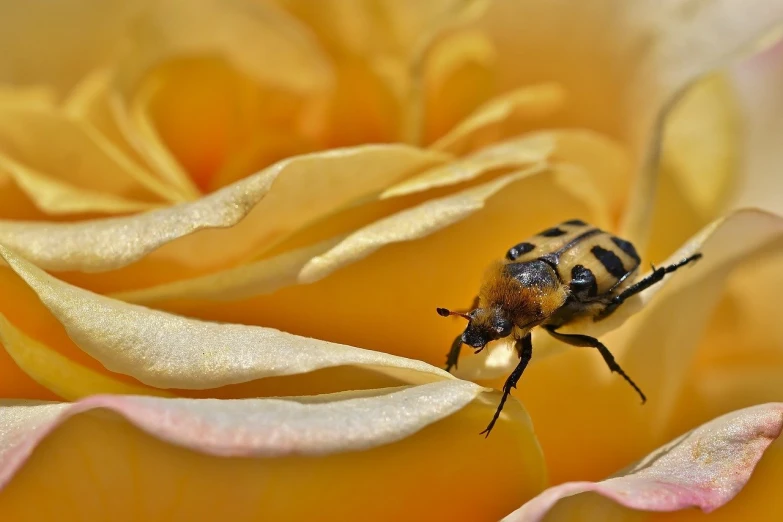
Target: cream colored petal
234,31
259,210
167,460
310,264
497,118
758,82
246,280
90,102
240,30
56,44
534,149
34,97
408,225
69,152
55,197
599,159
311,427
704,468
57,373
170,351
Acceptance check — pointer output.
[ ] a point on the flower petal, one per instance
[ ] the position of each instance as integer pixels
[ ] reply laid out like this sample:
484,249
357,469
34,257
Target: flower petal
515,153
66,378
282,198
179,352
364,444
80,35
757,81
502,117
65,167
704,468
240,30
621,65
92,102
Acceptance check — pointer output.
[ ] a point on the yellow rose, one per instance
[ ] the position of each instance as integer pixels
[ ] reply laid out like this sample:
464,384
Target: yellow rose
210,199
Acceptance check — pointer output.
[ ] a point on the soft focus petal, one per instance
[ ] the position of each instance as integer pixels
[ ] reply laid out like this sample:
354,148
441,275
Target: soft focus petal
699,163
704,468
80,35
364,445
170,351
758,81
622,64
282,198
495,119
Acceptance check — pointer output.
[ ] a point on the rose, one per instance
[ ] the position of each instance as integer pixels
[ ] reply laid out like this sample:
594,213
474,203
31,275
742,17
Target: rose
139,146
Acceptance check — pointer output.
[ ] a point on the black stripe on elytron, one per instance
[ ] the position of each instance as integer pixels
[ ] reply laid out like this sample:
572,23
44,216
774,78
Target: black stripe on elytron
583,282
627,247
578,239
612,263
519,250
575,222
552,232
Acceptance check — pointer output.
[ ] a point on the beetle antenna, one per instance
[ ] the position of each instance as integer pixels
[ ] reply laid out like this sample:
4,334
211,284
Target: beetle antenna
445,312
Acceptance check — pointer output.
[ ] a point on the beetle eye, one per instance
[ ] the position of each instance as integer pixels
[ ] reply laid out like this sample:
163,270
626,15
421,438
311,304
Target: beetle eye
503,328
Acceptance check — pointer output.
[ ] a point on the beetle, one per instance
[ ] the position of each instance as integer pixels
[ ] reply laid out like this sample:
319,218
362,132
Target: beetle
566,272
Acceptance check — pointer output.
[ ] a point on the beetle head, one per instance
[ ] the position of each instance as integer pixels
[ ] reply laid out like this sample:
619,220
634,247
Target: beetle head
484,325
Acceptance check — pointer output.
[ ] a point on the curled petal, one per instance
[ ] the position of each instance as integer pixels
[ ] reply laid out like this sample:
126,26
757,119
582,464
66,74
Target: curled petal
282,197
704,468
237,29
282,450
170,351
57,373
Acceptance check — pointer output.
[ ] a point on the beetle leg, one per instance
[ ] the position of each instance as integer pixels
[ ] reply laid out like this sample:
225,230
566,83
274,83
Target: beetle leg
644,284
453,356
524,348
592,342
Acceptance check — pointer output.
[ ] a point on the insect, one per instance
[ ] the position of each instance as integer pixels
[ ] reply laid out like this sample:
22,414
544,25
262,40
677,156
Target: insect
565,272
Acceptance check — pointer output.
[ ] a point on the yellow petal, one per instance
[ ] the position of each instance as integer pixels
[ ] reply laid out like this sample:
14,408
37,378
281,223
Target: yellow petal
35,97
259,277
378,51
408,225
92,102
364,445
239,30
64,166
220,124
265,207
59,374
502,117
80,35
187,353
756,80
698,166
528,150
458,78
621,65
